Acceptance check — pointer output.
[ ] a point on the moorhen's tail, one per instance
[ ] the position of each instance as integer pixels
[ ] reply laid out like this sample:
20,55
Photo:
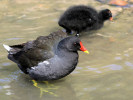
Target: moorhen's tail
12,50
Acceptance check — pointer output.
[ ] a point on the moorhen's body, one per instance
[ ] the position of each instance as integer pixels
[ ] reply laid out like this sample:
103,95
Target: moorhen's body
29,54
83,18
62,63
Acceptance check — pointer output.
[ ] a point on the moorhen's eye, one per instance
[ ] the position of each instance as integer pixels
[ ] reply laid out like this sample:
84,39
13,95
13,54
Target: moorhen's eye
76,44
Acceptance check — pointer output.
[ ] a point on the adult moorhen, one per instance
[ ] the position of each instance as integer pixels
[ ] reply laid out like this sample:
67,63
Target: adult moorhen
62,63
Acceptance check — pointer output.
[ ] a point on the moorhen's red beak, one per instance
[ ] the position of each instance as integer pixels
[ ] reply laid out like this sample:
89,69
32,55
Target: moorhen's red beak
83,48
111,19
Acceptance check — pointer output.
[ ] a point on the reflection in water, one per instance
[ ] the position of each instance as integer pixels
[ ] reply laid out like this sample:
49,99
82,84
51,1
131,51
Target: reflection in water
45,90
25,89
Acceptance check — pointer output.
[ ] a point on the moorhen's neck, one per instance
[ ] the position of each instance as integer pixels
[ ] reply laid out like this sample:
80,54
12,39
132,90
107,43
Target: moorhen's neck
63,52
64,49
101,17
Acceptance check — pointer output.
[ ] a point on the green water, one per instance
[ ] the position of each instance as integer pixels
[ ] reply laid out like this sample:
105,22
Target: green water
105,74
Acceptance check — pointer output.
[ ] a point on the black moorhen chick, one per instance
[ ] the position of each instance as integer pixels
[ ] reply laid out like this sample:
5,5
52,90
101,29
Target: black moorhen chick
83,18
60,65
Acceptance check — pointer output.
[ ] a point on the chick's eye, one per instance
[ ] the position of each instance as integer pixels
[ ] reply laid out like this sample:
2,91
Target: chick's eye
109,12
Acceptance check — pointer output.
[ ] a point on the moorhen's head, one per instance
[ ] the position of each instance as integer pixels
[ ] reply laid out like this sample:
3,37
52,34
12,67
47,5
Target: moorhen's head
72,44
106,14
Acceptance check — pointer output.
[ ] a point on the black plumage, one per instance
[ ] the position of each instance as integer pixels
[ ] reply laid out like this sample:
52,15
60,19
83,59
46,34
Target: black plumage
29,54
45,61
83,18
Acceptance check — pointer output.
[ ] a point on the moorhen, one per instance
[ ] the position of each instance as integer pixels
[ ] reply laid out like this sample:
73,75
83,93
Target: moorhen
83,18
62,63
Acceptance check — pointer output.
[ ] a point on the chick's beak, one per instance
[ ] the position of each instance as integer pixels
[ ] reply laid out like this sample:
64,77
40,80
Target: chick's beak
111,19
83,48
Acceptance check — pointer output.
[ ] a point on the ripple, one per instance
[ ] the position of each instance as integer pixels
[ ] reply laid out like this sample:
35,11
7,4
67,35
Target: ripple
113,67
75,72
118,58
9,93
6,64
127,55
0,87
129,64
118,85
6,86
14,38
79,68
33,28
85,89
92,88
33,18
98,71
5,80
88,67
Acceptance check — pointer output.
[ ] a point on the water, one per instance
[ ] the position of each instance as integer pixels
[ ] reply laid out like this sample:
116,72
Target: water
105,74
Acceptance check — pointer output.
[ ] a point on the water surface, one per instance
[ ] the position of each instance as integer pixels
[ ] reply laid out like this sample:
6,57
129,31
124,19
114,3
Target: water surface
105,74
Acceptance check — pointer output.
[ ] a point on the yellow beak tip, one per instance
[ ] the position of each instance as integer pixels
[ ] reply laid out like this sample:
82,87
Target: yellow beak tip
86,52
